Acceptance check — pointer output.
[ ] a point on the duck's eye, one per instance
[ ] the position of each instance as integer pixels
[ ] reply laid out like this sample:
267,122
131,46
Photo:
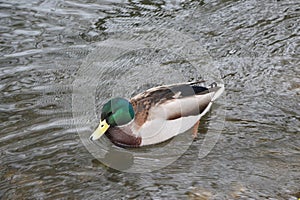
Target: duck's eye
102,125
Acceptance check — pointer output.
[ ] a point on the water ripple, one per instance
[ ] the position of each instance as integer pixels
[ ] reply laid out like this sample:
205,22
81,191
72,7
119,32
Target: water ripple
254,44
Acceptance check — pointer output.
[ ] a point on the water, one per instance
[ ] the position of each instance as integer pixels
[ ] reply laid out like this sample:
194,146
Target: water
46,46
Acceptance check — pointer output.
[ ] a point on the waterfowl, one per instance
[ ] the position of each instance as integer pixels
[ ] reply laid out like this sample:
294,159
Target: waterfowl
157,114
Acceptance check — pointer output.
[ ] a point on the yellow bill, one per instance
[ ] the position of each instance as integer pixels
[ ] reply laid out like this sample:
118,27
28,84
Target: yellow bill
102,128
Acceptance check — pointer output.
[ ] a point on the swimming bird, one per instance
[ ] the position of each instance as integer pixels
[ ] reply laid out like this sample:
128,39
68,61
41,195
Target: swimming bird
157,114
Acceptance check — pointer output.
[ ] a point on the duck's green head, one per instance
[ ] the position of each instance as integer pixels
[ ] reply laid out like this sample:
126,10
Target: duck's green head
115,112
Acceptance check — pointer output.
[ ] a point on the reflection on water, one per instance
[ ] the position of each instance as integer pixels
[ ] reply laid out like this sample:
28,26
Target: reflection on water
255,46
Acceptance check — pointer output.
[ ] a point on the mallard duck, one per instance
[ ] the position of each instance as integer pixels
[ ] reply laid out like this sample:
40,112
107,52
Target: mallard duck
157,114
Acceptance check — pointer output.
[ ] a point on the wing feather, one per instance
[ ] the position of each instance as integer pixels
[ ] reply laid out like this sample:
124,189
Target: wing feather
177,100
